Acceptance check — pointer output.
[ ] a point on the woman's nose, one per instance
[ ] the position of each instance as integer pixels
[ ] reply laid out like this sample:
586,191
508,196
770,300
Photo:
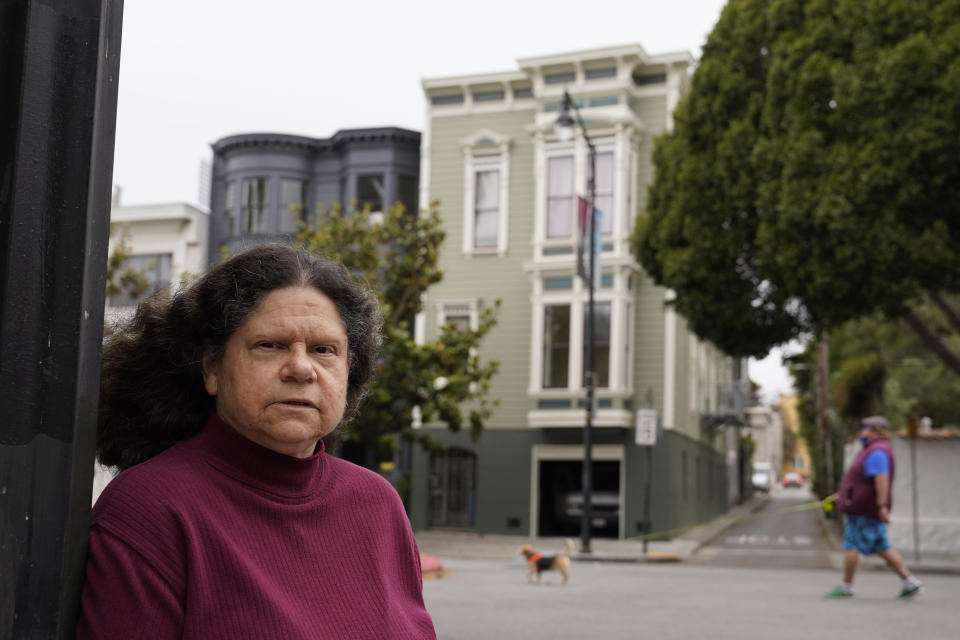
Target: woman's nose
299,366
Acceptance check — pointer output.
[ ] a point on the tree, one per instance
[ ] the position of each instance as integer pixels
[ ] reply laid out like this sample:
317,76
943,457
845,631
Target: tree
442,379
811,176
876,367
122,278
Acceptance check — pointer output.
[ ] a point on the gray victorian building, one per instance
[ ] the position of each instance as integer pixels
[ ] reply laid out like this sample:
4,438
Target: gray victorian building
264,184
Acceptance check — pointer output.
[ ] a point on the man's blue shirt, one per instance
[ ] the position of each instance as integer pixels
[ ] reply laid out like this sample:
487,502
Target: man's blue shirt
877,462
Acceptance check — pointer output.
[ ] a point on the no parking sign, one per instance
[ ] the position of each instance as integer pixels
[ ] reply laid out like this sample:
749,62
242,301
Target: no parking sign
646,435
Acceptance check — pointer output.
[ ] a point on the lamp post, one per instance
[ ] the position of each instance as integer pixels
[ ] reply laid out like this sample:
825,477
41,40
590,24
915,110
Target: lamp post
564,128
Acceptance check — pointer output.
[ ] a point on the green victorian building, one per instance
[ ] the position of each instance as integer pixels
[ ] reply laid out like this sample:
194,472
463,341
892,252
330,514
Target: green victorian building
507,189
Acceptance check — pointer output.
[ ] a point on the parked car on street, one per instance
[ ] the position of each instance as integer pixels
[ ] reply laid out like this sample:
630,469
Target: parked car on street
763,479
792,479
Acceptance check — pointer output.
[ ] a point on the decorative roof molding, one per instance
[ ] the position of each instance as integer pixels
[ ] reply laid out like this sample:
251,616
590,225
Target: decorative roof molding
484,137
448,82
344,137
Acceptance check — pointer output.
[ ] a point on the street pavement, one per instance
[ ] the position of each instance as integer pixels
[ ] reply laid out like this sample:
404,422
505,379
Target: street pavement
758,572
492,600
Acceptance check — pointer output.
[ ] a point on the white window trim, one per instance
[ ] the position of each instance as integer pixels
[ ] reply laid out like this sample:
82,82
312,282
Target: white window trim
621,343
606,141
480,155
450,306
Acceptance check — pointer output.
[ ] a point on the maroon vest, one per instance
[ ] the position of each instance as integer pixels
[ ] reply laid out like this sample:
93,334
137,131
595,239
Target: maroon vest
857,494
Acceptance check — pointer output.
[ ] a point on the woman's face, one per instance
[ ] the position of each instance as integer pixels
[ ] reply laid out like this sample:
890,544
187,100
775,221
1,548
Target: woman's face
282,380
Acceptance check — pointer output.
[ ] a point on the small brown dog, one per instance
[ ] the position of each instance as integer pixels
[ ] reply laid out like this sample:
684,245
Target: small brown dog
537,563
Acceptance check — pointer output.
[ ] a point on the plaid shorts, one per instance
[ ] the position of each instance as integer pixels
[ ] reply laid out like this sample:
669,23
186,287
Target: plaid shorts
866,535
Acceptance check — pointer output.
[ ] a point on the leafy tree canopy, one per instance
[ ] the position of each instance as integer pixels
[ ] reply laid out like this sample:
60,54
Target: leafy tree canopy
812,174
443,379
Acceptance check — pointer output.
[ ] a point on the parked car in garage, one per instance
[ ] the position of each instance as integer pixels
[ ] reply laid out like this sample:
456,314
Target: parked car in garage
604,509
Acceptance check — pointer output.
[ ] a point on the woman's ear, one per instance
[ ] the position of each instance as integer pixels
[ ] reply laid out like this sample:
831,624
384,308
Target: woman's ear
210,368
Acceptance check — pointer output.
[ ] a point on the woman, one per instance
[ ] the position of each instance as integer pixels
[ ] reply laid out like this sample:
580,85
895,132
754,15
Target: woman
229,518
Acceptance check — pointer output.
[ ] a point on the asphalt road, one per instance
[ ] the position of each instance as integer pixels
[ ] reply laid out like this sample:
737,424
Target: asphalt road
489,600
777,536
764,578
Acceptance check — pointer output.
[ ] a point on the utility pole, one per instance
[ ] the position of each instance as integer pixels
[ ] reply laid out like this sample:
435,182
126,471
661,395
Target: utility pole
823,390
58,110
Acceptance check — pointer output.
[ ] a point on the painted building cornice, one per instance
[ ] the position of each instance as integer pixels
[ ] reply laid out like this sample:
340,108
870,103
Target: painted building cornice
304,144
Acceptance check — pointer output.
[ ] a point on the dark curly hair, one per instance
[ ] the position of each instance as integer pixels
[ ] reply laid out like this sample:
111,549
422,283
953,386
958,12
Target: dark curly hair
151,387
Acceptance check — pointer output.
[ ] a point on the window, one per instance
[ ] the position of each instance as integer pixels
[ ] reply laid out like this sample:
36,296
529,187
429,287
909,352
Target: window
445,100
407,193
370,192
596,74
604,189
462,314
486,209
230,209
523,93
253,205
603,101
488,96
561,343
560,78
156,268
556,346
563,173
560,197
486,171
645,79
601,343
293,205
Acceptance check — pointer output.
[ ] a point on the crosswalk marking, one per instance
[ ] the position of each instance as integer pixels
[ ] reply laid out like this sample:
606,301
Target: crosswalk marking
763,539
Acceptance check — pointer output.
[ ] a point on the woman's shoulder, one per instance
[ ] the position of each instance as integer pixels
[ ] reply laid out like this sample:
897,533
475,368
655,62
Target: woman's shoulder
148,489
348,474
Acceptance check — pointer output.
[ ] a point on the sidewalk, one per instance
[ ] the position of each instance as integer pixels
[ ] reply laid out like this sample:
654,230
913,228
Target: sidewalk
435,545
928,562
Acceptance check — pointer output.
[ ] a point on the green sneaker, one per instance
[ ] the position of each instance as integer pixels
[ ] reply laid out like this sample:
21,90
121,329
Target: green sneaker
838,592
909,592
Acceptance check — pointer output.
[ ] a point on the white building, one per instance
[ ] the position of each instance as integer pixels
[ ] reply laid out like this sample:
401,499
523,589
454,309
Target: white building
167,244
765,425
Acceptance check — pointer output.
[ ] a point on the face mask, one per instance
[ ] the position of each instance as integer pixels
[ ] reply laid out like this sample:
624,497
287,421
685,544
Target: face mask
864,440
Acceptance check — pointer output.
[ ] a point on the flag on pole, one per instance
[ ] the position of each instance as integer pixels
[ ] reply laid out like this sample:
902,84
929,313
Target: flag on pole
582,208
597,246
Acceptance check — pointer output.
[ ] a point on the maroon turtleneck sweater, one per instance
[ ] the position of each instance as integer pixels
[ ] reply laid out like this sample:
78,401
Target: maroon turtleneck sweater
218,537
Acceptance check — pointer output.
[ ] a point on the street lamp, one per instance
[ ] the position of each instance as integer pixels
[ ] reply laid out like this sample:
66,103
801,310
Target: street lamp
564,129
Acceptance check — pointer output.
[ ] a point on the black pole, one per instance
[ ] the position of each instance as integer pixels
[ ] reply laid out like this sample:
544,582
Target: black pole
823,389
59,73
589,377
647,473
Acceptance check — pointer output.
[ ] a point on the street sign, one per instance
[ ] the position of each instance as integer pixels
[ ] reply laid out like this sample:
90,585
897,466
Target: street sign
646,435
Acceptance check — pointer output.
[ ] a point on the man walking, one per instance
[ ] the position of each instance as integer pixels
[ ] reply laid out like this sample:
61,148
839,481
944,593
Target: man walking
865,497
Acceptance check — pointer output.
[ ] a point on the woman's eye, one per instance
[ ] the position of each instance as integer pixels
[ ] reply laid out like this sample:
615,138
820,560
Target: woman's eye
267,345
323,349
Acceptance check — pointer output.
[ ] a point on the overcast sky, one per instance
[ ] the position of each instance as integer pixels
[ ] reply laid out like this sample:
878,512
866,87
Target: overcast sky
192,71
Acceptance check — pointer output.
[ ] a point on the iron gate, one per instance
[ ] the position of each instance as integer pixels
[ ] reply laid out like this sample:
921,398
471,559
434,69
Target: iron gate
453,489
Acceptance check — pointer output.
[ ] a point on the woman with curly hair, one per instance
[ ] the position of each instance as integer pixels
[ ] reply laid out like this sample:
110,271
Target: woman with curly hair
229,518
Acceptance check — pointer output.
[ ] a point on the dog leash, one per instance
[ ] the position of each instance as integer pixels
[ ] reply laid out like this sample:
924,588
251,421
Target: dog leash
827,504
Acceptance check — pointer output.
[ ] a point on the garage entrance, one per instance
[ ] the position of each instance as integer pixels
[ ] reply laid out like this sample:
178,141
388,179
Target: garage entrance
561,499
